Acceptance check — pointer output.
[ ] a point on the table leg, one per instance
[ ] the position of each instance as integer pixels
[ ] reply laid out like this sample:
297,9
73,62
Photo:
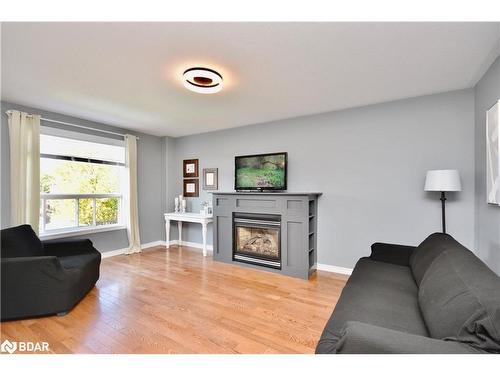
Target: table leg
167,232
179,226
204,234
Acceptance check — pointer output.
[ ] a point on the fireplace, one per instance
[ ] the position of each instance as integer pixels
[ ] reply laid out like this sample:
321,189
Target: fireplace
257,239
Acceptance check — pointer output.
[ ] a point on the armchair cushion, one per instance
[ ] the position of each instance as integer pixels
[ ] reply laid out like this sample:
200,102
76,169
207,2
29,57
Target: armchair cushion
67,247
20,241
79,260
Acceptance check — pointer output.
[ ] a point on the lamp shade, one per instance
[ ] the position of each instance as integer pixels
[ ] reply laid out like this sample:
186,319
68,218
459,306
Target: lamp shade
443,180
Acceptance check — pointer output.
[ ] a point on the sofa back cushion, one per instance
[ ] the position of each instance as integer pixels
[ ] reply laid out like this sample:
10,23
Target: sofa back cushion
425,253
459,297
20,241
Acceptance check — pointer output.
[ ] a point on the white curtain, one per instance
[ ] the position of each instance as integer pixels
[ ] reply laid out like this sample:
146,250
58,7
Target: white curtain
131,196
24,135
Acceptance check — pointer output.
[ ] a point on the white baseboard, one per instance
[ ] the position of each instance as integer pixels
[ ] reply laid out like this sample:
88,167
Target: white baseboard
152,244
196,245
112,253
329,268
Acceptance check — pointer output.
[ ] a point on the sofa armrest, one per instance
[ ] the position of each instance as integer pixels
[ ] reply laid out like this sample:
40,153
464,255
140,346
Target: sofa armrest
391,253
362,338
68,247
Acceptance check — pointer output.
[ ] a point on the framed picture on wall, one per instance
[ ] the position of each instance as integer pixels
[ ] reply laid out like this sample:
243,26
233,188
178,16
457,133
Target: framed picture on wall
493,154
190,168
191,188
210,179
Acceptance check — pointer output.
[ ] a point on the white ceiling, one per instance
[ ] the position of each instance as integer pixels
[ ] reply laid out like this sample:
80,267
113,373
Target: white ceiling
129,74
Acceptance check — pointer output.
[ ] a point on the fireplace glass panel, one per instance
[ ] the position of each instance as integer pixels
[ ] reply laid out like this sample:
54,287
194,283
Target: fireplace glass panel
257,241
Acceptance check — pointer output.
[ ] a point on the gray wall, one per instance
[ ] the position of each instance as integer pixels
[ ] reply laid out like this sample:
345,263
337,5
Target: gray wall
370,164
151,180
487,216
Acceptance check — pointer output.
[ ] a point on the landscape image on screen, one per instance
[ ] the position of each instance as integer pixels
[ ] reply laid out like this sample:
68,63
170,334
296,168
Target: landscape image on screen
266,171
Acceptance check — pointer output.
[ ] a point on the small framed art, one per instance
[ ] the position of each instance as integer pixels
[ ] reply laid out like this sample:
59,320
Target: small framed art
210,179
190,168
191,188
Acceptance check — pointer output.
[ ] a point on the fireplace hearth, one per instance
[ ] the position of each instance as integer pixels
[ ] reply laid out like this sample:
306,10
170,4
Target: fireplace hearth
257,239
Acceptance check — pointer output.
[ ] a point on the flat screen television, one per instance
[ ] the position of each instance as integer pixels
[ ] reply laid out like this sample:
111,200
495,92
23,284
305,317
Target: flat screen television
260,172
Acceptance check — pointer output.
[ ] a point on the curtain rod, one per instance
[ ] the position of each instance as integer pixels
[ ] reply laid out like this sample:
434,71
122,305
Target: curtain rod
76,126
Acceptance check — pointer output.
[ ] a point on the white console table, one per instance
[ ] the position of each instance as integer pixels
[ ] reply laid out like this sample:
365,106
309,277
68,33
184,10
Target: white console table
189,217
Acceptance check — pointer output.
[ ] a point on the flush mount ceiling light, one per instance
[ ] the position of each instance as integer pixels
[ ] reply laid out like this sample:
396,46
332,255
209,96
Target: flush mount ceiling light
202,80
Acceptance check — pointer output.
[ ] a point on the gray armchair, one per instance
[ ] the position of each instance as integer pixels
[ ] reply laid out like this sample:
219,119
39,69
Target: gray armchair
44,278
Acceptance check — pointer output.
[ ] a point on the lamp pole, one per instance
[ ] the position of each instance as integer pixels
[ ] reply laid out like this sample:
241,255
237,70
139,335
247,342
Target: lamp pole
443,212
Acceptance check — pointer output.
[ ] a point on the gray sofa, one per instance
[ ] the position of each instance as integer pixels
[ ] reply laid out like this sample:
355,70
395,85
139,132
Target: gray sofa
437,297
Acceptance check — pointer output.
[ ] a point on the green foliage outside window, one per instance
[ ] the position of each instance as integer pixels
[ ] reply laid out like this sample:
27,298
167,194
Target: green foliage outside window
69,177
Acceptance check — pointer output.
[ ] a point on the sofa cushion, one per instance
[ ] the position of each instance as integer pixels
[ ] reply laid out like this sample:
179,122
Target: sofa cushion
20,241
377,293
460,299
425,253
362,338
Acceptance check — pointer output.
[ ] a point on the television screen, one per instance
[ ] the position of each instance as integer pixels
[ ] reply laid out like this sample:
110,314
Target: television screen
261,172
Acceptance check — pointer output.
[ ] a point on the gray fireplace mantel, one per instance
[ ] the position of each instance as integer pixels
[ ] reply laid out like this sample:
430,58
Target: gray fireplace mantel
299,216
265,193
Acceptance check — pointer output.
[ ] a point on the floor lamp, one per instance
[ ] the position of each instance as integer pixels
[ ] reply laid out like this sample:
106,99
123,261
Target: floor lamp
443,180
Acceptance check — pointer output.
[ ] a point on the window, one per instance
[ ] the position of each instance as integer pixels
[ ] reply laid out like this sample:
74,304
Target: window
80,183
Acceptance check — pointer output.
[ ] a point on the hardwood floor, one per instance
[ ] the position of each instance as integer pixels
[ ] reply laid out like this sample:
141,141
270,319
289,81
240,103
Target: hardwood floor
177,301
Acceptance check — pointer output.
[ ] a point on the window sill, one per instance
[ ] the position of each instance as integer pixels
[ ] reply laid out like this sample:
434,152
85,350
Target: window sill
79,232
